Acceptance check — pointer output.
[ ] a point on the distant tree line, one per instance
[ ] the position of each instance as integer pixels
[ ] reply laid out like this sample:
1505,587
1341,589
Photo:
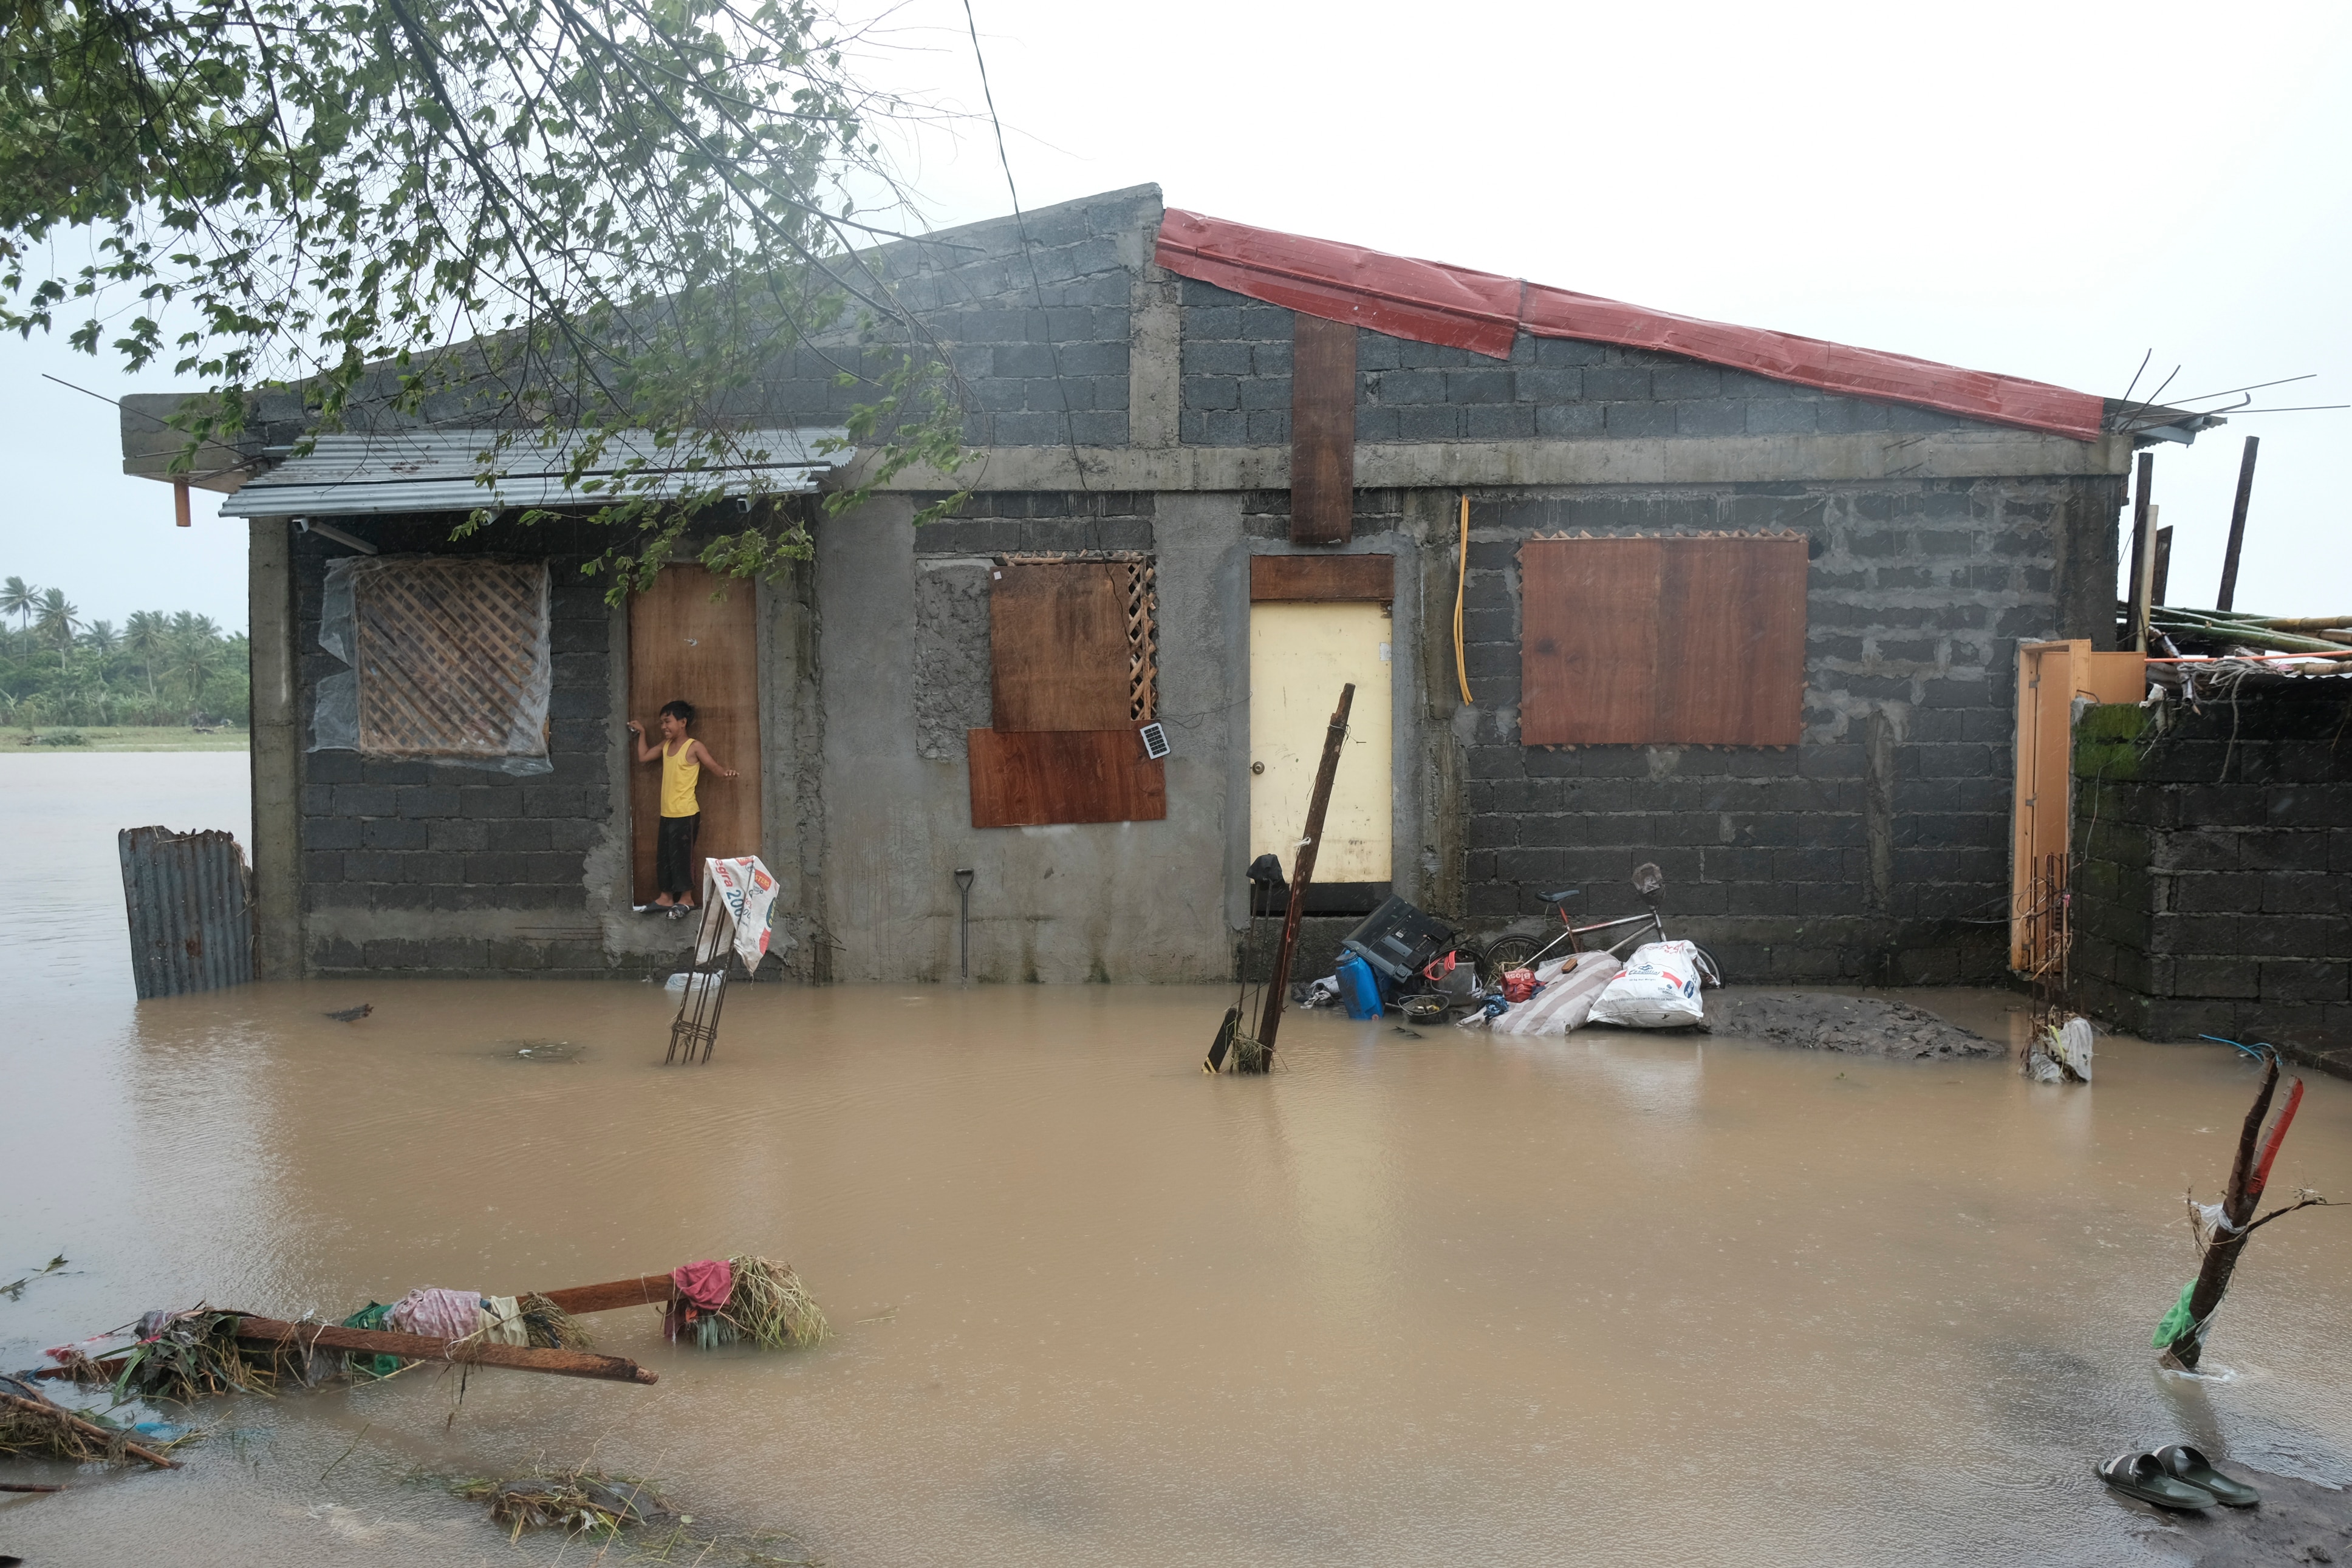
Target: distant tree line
57,668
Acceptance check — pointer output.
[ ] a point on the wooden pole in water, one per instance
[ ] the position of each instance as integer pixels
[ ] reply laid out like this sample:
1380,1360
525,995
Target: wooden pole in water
2248,1177
1302,872
96,1433
424,1347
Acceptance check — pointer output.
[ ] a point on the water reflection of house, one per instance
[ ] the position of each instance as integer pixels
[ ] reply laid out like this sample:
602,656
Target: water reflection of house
1740,603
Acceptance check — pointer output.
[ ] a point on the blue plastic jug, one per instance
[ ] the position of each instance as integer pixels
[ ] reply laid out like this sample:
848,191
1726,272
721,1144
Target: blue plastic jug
1360,991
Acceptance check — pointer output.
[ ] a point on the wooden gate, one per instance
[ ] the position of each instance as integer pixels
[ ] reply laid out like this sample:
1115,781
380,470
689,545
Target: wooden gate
685,643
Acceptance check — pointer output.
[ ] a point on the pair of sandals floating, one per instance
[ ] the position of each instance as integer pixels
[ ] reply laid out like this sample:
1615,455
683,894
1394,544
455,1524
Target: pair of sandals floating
2176,1476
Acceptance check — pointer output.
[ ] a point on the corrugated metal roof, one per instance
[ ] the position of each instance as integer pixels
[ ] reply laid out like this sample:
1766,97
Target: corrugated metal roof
190,910
1429,302
439,471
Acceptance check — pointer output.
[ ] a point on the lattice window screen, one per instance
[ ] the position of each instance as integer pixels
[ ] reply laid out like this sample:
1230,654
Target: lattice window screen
452,658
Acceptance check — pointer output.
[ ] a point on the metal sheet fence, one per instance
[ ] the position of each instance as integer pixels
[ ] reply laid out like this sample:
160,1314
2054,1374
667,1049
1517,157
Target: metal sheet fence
190,901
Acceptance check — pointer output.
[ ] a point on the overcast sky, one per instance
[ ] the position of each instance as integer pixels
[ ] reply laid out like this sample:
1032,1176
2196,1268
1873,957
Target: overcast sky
2045,190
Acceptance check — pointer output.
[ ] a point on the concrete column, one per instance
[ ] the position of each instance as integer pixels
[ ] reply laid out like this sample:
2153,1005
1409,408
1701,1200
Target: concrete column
1155,343
276,754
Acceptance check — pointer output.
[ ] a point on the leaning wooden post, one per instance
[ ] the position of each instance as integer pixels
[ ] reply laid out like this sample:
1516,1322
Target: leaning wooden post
2238,524
2134,631
1302,872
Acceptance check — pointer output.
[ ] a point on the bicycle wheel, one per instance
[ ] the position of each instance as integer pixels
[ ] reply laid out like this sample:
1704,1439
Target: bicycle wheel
1506,953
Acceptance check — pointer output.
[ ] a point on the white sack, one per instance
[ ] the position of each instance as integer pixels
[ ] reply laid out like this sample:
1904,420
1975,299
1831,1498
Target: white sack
1658,987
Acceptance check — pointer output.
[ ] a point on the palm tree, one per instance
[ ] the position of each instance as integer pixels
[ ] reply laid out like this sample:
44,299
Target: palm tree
20,598
196,656
147,634
101,637
59,622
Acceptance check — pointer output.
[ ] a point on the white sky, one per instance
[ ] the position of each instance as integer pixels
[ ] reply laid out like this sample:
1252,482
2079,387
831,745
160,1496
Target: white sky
2044,191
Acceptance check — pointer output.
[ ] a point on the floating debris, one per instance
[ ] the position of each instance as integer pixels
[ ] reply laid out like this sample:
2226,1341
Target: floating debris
542,1050
353,1014
583,1503
32,1425
15,1289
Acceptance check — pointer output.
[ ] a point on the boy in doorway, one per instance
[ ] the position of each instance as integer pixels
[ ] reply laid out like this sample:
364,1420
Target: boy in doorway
683,758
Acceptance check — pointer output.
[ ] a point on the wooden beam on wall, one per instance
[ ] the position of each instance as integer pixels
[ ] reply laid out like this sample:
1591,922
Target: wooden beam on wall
1352,579
1322,430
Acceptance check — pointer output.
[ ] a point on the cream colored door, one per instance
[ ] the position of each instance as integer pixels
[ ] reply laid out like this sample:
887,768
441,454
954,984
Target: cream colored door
1300,655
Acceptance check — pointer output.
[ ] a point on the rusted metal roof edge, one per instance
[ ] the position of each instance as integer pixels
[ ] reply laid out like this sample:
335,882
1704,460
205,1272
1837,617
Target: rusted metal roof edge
1432,302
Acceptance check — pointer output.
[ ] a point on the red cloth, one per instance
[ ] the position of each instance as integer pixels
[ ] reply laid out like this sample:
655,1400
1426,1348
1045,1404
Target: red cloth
702,1288
705,1285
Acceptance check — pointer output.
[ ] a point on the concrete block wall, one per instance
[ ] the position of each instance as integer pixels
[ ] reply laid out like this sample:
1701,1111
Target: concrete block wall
1037,332
1877,849
432,867
1235,389
2213,881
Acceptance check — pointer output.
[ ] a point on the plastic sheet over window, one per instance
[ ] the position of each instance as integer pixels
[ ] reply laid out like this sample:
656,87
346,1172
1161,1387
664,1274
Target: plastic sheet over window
449,661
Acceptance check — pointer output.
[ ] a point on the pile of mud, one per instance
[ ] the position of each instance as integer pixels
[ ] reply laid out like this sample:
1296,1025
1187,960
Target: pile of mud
1856,1026
2298,1521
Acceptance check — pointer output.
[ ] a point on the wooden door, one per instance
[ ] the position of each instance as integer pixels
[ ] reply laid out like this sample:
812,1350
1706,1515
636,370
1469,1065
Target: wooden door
1300,655
683,642
2050,677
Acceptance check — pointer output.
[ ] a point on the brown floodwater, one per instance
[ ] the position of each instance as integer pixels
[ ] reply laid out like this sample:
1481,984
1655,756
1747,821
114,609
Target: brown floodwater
1420,1298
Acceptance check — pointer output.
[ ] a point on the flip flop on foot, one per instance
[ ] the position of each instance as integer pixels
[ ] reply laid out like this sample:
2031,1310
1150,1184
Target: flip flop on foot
2184,1463
2139,1476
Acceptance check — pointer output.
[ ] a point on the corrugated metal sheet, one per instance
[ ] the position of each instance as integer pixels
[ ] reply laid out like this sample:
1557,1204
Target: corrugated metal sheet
190,903
1429,302
440,470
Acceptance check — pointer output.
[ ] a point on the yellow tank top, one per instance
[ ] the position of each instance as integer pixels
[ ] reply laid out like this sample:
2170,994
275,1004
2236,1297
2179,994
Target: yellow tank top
679,775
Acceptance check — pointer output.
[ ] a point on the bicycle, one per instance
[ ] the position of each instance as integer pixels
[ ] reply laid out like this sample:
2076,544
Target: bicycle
1508,953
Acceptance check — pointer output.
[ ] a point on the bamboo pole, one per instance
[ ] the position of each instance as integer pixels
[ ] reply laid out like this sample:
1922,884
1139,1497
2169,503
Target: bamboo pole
1302,872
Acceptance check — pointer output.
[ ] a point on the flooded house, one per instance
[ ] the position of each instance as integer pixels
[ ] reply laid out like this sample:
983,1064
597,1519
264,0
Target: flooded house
1613,586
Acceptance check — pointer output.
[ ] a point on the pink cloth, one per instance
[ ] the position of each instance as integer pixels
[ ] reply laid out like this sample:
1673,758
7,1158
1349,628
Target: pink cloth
707,1284
438,1313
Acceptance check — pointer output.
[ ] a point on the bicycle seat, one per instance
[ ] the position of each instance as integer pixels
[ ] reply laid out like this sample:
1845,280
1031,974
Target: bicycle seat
1563,895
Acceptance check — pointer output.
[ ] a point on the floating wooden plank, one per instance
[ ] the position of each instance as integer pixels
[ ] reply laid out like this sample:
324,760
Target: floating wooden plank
1060,657
1322,430
1348,577
424,1347
1032,777
452,655
1663,642
685,643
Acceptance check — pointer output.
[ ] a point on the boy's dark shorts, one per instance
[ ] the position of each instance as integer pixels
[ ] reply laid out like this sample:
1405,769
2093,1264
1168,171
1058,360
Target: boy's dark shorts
674,855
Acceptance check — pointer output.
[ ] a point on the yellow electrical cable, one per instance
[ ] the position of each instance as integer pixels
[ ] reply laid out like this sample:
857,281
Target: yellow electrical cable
1461,664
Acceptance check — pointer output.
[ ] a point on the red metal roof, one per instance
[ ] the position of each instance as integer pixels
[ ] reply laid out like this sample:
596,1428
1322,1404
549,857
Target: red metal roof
1430,302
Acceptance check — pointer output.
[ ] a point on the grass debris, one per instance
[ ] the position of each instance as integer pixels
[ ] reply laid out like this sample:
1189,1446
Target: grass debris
581,1502
550,1327
769,1306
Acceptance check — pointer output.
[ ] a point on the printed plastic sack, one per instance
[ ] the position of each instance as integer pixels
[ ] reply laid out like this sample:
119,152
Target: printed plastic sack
1520,985
1657,988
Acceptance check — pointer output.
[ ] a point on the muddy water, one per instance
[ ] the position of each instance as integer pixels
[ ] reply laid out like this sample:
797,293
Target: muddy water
1415,1299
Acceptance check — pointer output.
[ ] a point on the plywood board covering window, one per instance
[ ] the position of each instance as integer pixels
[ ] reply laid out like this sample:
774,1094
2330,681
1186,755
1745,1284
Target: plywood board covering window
1058,645
451,656
1074,669
1697,640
